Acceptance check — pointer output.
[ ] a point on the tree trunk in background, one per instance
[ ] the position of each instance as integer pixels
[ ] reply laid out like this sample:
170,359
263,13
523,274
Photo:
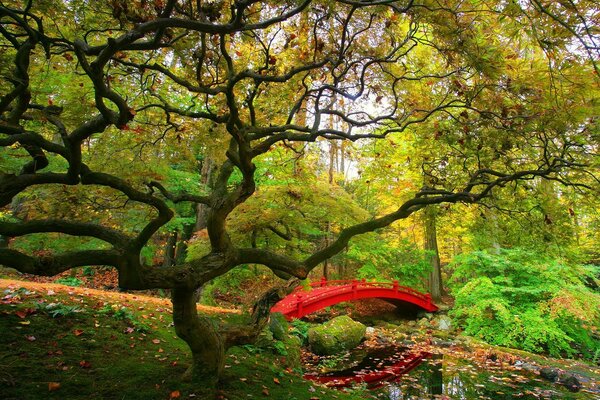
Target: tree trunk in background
435,276
170,246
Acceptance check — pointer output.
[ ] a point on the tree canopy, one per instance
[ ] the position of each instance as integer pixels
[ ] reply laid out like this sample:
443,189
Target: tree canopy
121,119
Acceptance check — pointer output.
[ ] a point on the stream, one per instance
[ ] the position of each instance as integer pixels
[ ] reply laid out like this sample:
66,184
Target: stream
403,373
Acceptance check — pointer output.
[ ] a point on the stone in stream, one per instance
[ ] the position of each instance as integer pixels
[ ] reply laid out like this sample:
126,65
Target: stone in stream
443,323
335,336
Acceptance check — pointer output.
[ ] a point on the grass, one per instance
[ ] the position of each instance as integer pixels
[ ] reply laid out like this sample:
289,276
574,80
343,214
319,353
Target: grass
102,354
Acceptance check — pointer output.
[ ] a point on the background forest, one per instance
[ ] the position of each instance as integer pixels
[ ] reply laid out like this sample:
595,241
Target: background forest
224,147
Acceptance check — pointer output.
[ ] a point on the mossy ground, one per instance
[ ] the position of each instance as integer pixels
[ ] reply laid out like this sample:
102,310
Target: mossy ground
107,352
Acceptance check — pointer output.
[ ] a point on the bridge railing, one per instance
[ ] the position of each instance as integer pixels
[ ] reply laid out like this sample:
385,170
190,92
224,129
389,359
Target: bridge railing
323,283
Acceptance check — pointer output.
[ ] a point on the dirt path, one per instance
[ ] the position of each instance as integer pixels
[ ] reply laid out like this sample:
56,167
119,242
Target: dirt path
101,294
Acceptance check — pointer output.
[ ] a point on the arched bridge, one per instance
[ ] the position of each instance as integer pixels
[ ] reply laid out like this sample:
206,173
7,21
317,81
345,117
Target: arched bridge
327,293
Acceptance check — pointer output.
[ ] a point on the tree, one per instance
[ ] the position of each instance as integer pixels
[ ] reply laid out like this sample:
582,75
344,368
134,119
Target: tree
119,98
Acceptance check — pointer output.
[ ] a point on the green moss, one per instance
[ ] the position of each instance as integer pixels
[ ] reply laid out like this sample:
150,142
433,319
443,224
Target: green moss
337,335
96,356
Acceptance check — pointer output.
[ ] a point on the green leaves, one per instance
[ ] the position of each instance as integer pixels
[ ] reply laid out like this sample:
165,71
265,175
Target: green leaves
526,300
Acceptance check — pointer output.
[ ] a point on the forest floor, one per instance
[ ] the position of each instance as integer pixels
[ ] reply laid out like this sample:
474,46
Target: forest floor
63,342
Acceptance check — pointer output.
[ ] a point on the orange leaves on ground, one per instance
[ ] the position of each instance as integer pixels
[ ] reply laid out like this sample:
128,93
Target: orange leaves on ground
52,386
85,364
156,341
24,313
77,332
175,394
276,381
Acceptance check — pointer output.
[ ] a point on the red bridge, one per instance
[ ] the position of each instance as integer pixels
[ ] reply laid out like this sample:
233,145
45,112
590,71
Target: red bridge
327,293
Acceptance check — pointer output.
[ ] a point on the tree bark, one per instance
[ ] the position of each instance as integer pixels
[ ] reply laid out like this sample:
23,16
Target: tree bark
206,345
435,276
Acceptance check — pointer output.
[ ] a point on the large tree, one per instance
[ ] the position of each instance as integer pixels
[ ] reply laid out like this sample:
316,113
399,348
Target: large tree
95,94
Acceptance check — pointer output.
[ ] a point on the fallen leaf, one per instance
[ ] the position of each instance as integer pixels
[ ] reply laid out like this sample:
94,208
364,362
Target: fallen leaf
156,341
174,394
31,338
85,364
265,392
52,386
276,381
77,332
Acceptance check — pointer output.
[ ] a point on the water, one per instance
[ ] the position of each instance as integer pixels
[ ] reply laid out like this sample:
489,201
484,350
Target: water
432,376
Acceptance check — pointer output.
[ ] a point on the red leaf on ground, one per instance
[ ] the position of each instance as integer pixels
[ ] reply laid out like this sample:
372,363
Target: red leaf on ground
52,386
175,394
21,314
85,364
77,332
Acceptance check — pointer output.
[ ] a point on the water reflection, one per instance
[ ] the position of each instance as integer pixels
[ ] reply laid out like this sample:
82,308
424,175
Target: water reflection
431,376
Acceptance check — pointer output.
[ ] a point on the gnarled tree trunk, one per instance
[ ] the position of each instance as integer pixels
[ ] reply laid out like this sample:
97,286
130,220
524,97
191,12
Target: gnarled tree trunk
206,344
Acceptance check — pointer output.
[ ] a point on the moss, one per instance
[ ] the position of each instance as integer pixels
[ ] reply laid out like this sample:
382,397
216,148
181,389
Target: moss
339,334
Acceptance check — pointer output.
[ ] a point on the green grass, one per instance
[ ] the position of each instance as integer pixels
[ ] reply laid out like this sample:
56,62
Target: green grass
93,355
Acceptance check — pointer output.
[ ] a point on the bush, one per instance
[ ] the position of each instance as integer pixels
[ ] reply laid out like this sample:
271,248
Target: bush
69,281
526,300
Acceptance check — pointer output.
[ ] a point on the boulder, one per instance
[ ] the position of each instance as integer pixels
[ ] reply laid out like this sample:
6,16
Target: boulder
550,374
293,346
278,326
339,334
443,323
570,382
264,339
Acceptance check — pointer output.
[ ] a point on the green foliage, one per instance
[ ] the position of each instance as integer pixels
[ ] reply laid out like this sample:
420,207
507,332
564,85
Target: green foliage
300,329
124,314
56,310
280,348
229,283
526,300
70,281
383,260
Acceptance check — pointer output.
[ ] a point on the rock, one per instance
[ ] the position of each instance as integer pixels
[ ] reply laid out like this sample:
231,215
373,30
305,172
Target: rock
550,374
443,343
443,323
337,335
423,323
278,326
293,345
422,314
570,382
264,339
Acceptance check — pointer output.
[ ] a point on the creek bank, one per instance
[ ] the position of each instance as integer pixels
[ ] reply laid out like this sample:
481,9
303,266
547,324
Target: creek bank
510,371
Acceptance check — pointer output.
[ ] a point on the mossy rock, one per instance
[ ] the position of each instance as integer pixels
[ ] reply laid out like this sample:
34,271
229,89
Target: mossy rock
279,326
337,335
264,339
293,346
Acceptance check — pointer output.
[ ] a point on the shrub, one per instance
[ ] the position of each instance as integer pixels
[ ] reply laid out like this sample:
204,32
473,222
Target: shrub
69,281
526,300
